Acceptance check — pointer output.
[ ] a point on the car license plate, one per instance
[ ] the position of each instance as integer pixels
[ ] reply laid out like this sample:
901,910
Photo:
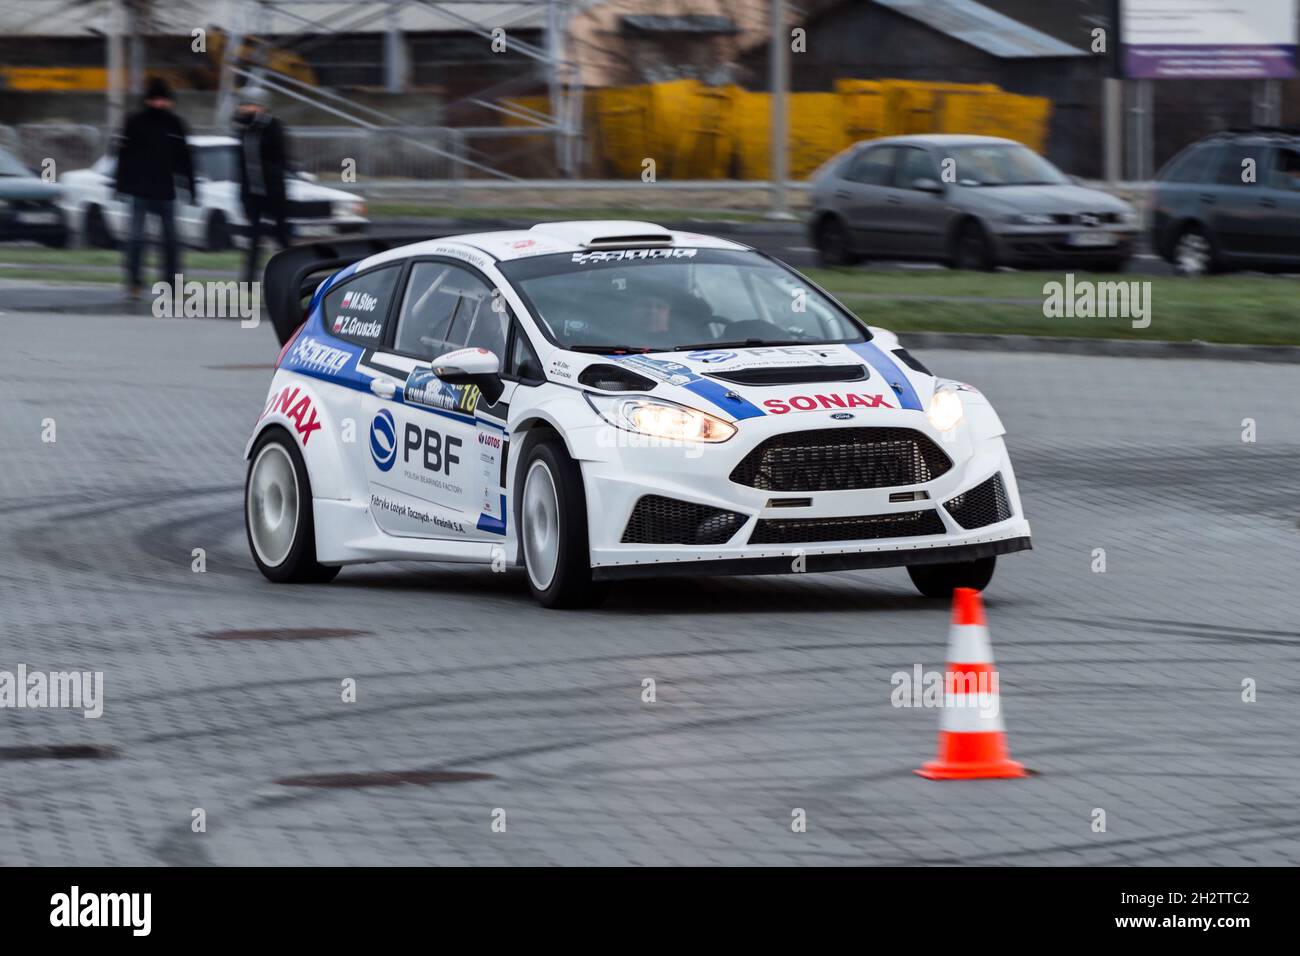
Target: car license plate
37,218
1090,239
314,229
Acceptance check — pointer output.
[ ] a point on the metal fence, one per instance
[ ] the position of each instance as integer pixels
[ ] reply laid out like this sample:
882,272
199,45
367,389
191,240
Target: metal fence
406,152
70,145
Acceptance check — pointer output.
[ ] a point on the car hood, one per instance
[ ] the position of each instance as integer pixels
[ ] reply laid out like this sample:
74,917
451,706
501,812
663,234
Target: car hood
1047,199
27,187
861,380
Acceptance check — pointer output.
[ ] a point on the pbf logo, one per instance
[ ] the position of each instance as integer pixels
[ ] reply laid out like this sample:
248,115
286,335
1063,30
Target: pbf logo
383,440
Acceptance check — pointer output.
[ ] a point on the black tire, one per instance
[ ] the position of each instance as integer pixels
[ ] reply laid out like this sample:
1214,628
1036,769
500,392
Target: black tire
299,564
570,584
94,230
216,234
834,247
939,580
57,241
972,250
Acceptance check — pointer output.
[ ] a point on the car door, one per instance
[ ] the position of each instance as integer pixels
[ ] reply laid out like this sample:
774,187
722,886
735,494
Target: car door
1236,215
430,456
917,219
1280,205
863,193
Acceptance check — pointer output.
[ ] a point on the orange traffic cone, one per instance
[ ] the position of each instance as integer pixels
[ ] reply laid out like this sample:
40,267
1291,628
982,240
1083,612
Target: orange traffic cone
972,737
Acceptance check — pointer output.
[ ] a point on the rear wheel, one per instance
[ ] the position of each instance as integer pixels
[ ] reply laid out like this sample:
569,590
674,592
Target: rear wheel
973,250
216,235
278,513
1194,253
553,529
939,580
833,245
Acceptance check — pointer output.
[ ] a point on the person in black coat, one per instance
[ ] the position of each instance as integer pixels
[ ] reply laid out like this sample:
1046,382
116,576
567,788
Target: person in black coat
152,154
263,164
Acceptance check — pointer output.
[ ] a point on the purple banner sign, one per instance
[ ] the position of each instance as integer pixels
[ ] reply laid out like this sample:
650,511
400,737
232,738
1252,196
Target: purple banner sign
1209,62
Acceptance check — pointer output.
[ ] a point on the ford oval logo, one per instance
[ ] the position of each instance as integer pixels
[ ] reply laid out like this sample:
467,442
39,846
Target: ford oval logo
383,440
842,416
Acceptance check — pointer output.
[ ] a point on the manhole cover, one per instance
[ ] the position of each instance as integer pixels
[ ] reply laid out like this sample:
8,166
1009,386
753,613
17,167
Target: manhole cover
58,752
383,778
284,634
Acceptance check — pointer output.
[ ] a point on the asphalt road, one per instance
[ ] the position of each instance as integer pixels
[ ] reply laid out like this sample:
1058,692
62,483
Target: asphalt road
222,692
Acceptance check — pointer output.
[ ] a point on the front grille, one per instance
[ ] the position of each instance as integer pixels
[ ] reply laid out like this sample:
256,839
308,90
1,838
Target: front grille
793,374
904,524
660,520
309,209
838,459
985,504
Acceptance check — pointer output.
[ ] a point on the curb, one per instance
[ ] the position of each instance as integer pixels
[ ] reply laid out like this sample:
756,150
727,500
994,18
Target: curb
1123,348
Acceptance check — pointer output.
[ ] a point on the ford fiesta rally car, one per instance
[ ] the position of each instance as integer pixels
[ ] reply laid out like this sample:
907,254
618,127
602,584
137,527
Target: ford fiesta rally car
603,400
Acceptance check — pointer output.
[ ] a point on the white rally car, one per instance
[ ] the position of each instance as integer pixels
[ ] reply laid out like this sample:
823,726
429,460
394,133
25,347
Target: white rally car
603,400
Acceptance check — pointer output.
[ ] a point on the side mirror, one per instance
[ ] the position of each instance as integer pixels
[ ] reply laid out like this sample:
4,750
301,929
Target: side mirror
927,185
472,366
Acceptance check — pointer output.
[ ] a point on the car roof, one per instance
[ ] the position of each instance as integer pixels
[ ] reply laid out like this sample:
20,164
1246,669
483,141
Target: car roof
551,238
941,139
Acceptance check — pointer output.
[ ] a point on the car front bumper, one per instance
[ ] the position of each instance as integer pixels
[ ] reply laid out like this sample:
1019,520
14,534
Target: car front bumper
1057,245
617,481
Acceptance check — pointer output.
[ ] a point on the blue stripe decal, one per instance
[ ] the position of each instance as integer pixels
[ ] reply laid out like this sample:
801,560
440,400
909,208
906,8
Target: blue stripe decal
664,371
491,524
738,407
887,369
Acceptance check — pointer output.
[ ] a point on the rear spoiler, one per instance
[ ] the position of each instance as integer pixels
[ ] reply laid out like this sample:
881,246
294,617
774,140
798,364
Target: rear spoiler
292,275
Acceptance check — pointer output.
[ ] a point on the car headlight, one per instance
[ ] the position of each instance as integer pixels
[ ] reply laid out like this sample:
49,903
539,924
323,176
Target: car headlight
1129,217
945,411
660,419
348,208
1031,219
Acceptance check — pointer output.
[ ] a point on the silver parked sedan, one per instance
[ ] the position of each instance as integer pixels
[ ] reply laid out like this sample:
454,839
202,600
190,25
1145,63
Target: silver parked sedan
974,202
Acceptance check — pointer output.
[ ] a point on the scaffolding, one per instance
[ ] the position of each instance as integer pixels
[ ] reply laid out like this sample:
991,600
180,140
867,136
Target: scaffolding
552,63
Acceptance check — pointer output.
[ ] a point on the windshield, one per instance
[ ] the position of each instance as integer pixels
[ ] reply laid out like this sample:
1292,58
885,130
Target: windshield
659,300
9,166
1004,164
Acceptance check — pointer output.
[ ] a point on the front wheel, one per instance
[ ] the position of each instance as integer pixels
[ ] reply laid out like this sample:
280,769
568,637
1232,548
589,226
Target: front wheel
278,513
939,580
1193,253
553,529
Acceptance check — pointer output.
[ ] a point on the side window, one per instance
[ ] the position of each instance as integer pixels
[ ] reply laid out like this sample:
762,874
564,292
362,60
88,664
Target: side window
357,310
448,307
524,364
873,167
914,164
1286,170
1232,164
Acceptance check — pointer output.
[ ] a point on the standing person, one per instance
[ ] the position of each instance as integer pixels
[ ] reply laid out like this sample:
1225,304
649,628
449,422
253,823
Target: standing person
152,153
263,160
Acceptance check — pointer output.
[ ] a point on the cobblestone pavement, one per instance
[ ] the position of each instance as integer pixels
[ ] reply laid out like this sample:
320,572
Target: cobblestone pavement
1122,689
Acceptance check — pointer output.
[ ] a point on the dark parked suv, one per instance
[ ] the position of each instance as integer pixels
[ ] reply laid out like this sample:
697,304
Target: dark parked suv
1230,201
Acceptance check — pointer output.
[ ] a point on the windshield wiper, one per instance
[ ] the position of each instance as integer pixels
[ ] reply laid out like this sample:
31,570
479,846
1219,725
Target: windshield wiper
743,344
604,349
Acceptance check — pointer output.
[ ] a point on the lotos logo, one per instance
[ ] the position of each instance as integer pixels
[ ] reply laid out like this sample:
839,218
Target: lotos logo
383,440
492,441
808,403
709,357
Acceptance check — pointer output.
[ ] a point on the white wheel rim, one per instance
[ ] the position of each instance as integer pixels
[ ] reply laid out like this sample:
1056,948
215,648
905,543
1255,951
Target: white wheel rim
1193,255
272,505
541,525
